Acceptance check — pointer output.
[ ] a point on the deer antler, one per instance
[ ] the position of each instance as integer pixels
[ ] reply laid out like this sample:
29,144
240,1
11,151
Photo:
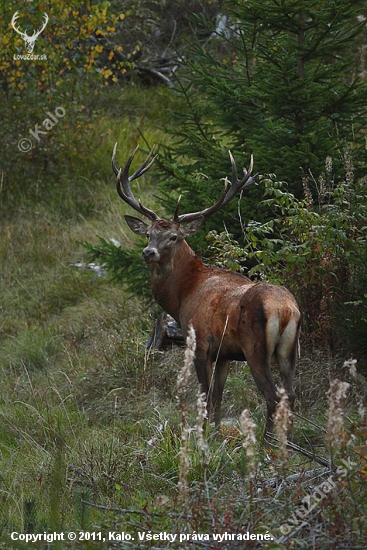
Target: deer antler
123,182
37,33
13,21
227,195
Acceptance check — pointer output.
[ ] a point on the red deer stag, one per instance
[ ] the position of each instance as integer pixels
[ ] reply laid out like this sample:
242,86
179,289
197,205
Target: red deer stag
233,317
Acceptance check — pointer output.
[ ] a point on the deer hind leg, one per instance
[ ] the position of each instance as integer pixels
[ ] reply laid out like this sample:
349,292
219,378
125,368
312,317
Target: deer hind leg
286,363
286,358
260,370
259,359
253,332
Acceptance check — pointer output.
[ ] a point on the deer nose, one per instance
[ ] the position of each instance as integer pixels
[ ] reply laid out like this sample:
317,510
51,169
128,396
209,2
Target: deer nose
150,255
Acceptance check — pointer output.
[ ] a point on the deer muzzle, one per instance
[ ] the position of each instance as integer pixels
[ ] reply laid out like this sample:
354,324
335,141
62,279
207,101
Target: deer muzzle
150,255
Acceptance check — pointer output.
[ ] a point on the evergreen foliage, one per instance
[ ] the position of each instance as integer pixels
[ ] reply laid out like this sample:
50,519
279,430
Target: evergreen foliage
276,78
124,266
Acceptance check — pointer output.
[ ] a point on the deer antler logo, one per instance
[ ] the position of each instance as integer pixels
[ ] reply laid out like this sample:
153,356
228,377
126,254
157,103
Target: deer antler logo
29,40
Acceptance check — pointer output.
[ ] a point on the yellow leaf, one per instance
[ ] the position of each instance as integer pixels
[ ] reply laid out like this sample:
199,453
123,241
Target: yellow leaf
111,55
106,72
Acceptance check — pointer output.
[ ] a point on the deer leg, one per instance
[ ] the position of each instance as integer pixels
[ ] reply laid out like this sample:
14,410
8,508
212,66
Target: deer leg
220,377
258,353
286,360
258,360
287,367
264,381
212,378
203,367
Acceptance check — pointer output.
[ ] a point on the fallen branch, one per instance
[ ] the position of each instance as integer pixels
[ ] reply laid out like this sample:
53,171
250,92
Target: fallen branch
316,472
309,454
321,428
156,74
305,452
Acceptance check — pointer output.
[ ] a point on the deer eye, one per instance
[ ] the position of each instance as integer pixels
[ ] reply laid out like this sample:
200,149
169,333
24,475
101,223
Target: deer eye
173,238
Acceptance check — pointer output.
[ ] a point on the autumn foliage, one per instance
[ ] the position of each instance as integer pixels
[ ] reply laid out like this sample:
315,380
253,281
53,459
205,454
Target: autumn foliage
72,42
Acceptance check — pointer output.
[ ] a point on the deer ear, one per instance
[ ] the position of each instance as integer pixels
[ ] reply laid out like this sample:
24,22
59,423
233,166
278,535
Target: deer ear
138,226
192,227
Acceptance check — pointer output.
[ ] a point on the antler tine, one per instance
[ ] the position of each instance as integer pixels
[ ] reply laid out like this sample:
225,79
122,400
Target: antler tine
238,185
227,195
145,166
13,22
15,17
175,215
123,181
37,33
247,173
46,20
184,218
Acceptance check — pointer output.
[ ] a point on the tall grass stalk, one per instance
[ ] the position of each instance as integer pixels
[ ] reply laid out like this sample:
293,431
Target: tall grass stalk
336,434
248,427
182,380
202,415
282,425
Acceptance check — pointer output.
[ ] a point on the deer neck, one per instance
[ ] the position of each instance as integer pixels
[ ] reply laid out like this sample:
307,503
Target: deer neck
175,280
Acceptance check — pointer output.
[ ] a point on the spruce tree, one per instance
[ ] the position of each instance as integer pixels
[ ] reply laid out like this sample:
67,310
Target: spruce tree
278,80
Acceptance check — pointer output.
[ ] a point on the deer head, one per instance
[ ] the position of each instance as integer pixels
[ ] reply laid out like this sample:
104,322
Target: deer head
29,40
166,236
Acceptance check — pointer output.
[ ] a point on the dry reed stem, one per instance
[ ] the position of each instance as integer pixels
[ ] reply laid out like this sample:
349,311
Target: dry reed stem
248,426
182,380
282,424
336,435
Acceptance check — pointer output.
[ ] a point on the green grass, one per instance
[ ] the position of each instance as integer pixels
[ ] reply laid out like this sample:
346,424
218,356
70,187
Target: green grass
90,427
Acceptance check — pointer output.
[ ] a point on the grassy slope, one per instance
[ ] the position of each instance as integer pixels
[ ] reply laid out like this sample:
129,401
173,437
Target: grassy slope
89,415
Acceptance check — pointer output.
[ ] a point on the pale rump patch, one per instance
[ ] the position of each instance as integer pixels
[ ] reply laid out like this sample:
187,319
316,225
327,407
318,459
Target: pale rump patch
287,338
272,334
280,335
